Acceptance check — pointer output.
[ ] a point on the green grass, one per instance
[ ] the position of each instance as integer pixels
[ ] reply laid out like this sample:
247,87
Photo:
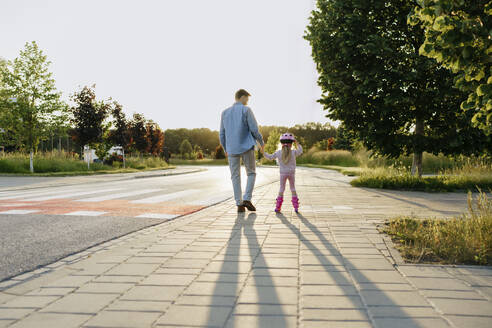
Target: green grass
62,164
463,240
206,161
466,178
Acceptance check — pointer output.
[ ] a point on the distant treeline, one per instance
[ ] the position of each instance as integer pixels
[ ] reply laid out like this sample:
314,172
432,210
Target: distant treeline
207,140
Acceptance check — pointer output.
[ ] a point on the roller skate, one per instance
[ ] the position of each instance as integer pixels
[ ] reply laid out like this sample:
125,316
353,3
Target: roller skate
295,203
278,206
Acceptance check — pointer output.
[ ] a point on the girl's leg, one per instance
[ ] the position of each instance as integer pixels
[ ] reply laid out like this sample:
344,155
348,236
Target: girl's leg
283,180
292,184
280,198
295,199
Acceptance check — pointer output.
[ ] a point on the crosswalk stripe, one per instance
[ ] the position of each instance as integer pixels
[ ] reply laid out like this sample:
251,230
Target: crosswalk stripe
157,216
18,211
70,194
86,213
165,197
119,195
38,193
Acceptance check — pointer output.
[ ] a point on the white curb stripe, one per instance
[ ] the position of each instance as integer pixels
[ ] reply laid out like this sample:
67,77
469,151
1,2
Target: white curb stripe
157,216
86,213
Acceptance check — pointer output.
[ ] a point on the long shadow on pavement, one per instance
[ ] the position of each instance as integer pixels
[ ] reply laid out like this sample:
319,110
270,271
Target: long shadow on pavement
339,278
230,271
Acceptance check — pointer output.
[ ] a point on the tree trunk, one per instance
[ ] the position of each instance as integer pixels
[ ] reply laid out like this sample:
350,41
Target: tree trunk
417,154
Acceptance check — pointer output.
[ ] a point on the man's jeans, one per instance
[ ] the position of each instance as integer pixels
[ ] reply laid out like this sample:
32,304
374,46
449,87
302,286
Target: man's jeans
235,166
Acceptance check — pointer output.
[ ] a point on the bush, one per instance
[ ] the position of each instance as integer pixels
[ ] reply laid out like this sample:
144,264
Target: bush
463,240
185,149
219,152
334,157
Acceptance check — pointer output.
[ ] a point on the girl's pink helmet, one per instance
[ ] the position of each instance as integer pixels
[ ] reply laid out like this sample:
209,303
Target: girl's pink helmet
287,138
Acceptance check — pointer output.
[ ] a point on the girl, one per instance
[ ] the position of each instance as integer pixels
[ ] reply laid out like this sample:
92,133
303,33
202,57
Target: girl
286,159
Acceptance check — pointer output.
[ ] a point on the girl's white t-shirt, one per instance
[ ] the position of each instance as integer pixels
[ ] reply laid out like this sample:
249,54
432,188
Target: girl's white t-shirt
290,167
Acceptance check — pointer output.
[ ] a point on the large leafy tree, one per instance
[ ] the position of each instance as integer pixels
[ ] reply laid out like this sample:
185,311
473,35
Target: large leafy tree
374,81
88,116
29,96
458,34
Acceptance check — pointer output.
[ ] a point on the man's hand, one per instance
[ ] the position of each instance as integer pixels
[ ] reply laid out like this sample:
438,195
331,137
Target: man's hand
262,148
226,154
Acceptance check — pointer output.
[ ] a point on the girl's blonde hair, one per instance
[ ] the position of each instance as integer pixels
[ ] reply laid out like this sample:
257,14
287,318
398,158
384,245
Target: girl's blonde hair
286,152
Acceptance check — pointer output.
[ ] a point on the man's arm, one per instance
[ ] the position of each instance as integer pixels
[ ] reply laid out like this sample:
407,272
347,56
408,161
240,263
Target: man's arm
253,127
222,135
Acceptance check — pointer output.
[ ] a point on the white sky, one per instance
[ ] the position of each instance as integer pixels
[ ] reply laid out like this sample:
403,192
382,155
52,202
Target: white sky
178,62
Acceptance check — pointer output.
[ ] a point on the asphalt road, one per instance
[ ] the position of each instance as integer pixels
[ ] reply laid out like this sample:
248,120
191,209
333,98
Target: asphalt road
41,225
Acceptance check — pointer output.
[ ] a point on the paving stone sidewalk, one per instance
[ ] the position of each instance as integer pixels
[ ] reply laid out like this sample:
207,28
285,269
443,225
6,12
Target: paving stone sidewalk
325,267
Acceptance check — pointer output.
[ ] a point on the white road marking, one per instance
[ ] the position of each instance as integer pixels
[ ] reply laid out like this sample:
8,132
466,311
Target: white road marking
119,195
86,213
157,216
15,204
165,197
71,194
19,211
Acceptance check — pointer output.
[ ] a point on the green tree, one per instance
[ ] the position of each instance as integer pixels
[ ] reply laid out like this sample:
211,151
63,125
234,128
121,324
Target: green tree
374,81
119,135
30,96
138,133
88,117
155,138
344,139
458,35
272,141
313,132
185,149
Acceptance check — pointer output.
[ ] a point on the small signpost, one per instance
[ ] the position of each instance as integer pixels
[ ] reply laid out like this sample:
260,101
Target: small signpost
87,155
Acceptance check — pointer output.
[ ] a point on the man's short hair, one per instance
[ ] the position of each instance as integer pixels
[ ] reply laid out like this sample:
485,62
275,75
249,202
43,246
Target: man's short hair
242,92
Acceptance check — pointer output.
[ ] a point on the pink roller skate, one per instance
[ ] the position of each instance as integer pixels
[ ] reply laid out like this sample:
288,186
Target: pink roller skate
278,206
295,203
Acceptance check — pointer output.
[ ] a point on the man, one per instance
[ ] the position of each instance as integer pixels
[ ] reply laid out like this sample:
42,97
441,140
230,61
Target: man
238,136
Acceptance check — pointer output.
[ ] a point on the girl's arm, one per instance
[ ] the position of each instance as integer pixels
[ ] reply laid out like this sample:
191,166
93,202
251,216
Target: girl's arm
270,156
298,151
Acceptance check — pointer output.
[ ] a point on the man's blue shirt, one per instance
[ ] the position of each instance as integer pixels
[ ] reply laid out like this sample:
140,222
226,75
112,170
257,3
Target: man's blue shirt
238,129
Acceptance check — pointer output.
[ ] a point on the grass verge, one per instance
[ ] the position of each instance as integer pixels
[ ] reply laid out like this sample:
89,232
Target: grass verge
63,164
463,240
466,178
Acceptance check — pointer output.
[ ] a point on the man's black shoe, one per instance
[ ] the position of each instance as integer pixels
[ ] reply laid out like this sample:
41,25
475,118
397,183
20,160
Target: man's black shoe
240,209
249,206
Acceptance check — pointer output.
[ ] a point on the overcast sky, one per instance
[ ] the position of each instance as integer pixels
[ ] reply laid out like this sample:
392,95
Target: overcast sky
178,62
